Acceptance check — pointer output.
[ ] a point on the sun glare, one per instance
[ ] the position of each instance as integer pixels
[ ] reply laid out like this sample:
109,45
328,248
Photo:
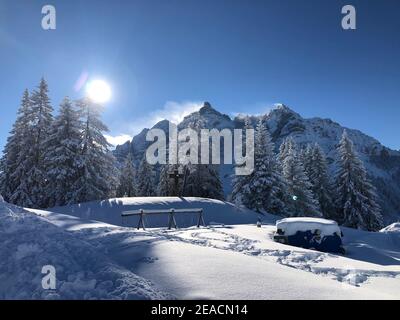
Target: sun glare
99,91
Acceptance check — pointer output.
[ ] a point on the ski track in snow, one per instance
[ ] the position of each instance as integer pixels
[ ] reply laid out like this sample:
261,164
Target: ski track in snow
303,260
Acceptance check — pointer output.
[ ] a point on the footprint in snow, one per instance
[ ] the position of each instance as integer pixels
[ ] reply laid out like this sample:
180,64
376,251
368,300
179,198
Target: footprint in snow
147,259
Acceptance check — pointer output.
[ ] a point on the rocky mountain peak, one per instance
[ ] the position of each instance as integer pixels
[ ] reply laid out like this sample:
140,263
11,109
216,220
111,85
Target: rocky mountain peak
209,117
282,109
207,108
163,125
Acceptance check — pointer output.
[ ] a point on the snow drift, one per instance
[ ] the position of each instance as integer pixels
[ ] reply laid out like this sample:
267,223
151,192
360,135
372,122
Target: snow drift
109,211
243,262
394,227
96,260
29,242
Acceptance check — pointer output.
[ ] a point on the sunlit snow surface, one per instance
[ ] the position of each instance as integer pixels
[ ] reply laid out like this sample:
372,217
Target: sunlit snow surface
102,261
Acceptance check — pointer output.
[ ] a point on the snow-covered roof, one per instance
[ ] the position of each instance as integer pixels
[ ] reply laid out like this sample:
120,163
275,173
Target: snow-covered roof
291,225
394,227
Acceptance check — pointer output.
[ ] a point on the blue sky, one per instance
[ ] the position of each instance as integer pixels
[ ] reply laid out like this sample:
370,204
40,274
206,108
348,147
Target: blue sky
163,57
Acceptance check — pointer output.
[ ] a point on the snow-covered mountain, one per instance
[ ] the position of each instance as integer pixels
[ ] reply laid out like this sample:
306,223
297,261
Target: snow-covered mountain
382,163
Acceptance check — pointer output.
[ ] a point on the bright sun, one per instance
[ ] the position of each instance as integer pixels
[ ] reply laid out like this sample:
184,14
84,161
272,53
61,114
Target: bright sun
99,91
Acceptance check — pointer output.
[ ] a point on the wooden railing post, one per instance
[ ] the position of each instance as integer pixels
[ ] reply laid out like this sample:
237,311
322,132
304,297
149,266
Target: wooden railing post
198,220
171,220
201,219
141,220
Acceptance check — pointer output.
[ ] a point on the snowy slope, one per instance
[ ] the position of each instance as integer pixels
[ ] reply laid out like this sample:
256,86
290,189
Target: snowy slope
29,242
221,267
383,164
102,261
109,211
178,261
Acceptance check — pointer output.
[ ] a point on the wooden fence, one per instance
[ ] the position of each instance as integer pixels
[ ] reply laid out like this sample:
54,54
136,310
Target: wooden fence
170,212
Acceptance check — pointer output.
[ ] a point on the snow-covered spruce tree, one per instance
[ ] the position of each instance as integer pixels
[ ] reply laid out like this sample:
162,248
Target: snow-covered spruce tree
42,119
4,178
239,181
306,156
202,180
321,182
213,181
299,187
284,148
63,155
127,180
166,185
146,186
97,177
265,189
356,199
316,169
13,171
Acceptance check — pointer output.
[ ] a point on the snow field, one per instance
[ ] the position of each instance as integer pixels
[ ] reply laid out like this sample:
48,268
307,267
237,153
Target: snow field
30,242
97,260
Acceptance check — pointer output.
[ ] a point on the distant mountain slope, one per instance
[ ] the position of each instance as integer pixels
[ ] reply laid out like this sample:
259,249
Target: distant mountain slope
382,163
